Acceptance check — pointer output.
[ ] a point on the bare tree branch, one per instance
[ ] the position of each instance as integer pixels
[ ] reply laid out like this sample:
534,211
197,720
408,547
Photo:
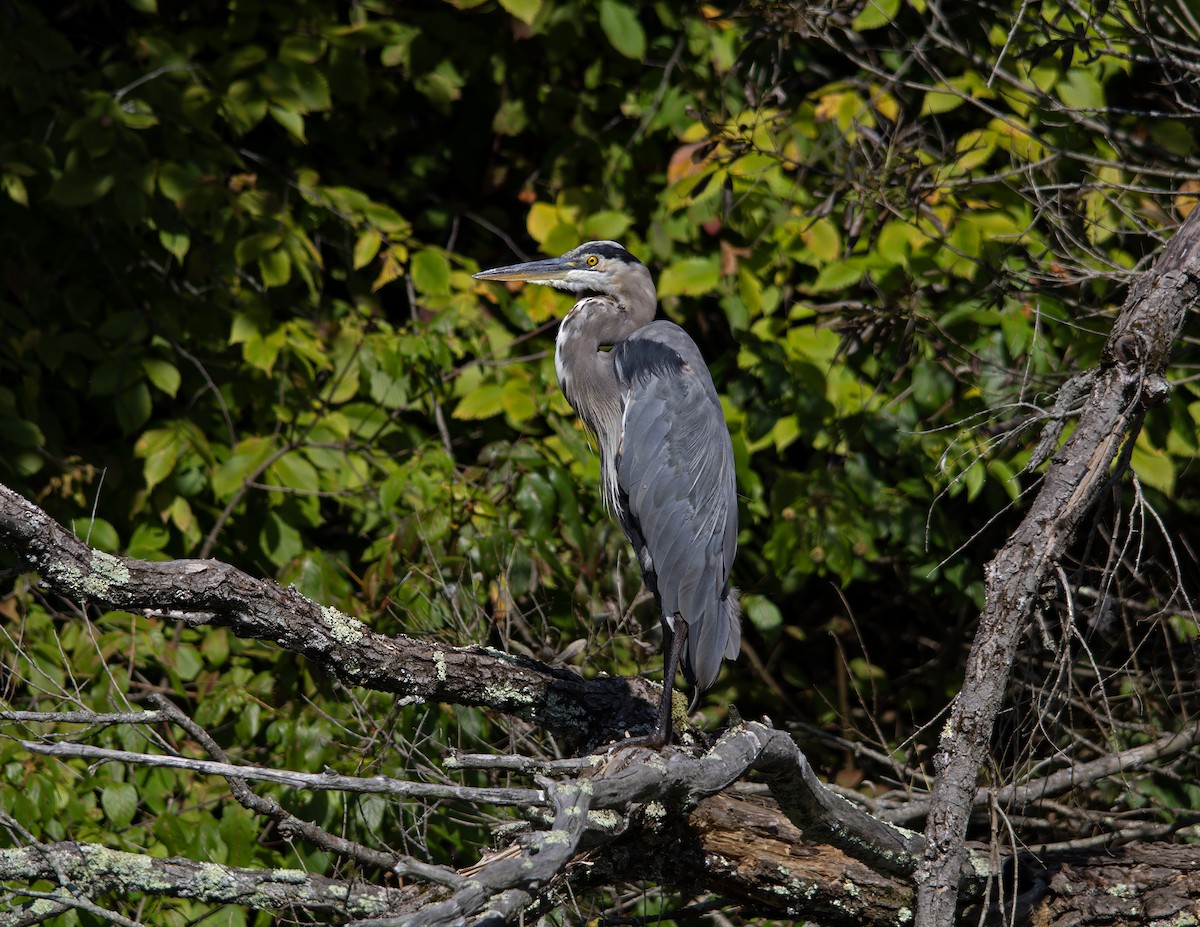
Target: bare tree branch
1130,377
103,870
320,782
214,593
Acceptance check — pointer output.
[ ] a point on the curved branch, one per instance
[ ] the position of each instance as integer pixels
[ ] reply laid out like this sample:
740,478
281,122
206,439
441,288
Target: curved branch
504,885
209,592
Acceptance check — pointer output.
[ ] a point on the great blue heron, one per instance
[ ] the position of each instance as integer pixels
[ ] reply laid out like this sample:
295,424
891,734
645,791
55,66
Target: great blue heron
666,462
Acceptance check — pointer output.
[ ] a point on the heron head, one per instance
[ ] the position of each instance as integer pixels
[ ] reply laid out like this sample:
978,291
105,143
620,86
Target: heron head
602,268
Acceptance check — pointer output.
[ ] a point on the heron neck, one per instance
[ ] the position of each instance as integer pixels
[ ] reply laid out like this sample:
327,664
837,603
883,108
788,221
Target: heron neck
588,378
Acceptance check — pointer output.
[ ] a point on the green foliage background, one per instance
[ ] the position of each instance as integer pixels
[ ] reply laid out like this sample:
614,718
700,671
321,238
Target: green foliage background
238,321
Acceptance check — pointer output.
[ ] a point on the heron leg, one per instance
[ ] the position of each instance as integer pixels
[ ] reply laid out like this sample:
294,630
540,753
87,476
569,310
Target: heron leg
661,735
666,707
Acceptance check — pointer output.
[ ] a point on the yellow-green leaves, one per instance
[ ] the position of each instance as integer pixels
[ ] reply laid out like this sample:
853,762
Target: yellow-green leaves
1154,467
560,226
524,10
366,247
954,92
876,13
821,238
514,397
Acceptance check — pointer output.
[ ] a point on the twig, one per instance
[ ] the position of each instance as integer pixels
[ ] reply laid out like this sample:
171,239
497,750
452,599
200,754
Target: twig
289,824
510,762
84,717
317,782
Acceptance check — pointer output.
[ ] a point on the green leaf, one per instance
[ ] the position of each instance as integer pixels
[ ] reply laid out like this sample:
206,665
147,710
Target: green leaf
275,267
296,86
147,542
181,515
292,121
163,374
620,24
1153,467
252,247
606,225
541,221
441,86
160,447
941,101
482,402
822,239
391,269
305,48
537,502
176,243
119,801
690,277
839,275
244,105
431,273
21,433
386,219
293,471
186,662
518,401
14,188
931,385
510,118
317,576
391,490
176,181
133,407
99,533
215,646
1080,90
280,540
244,463
763,613
975,148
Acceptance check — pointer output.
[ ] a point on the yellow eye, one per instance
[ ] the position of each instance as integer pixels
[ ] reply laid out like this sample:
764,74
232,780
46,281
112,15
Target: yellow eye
592,260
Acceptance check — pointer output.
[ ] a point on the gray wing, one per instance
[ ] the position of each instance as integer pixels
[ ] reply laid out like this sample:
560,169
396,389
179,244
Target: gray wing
678,491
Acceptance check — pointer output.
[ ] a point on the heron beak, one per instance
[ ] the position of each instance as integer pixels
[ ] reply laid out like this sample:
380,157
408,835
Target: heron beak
548,272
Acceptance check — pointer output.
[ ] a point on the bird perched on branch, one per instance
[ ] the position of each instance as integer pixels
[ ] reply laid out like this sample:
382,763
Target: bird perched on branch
666,462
